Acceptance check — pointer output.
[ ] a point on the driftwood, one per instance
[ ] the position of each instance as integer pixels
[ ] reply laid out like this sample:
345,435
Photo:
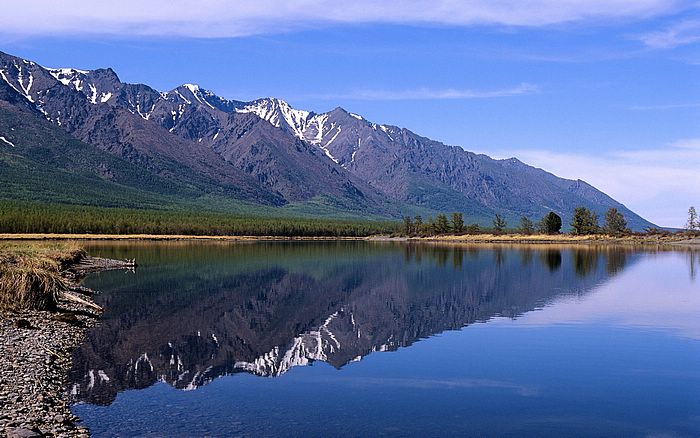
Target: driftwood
76,299
95,264
81,289
84,266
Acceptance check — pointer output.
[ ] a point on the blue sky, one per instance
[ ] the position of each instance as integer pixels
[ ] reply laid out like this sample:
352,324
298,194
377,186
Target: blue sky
605,91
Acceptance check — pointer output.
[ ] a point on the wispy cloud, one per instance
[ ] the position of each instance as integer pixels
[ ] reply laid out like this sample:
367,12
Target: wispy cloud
659,183
679,34
670,106
430,94
225,18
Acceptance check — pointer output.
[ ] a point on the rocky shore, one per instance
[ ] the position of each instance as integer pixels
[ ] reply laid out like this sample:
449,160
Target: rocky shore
35,358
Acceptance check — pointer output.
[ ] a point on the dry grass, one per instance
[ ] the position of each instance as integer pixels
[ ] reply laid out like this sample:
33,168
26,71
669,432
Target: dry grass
30,273
633,239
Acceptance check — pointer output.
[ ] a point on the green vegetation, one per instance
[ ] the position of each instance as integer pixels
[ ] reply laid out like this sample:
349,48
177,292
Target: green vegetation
615,222
526,225
499,224
584,222
693,224
30,274
457,222
47,218
441,225
551,223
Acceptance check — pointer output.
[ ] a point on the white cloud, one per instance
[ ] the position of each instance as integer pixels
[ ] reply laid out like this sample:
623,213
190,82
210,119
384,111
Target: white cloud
658,184
431,94
655,294
225,18
680,34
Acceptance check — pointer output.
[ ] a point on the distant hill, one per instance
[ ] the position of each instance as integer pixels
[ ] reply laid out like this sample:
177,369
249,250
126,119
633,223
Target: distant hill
79,136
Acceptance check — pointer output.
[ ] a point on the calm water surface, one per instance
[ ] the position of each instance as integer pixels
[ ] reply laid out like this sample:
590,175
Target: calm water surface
373,339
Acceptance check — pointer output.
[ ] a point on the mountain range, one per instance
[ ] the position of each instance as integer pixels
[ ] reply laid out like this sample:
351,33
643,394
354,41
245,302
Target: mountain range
85,137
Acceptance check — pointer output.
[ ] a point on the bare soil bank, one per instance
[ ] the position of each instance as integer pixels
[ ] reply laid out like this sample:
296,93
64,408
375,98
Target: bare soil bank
35,357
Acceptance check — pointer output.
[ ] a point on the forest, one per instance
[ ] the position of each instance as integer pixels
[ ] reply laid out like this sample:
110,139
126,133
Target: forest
23,217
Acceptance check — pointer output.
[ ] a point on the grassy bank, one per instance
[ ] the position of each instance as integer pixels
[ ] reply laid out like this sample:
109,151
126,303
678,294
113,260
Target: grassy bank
74,219
30,273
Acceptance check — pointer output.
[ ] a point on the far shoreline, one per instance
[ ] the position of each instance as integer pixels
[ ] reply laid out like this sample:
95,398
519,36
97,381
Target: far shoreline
542,239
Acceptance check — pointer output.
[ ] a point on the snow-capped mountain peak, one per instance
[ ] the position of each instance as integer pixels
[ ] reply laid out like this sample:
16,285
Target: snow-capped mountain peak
67,75
194,88
195,94
97,85
279,113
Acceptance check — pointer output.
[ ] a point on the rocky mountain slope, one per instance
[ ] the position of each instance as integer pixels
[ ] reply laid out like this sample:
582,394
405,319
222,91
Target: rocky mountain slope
266,152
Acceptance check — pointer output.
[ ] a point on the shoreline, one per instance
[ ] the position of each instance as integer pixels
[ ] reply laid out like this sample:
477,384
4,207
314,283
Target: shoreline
542,239
36,356
678,240
169,237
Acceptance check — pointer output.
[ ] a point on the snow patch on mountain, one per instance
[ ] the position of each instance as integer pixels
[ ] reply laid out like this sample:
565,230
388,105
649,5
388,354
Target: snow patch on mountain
324,148
4,77
4,140
78,80
69,76
199,94
280,114
187,101
30,81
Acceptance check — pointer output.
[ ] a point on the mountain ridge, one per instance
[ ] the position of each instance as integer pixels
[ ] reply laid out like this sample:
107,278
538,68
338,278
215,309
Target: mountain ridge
266,151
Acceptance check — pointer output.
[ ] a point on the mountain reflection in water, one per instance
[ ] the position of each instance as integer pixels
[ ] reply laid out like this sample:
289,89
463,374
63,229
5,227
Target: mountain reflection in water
193,312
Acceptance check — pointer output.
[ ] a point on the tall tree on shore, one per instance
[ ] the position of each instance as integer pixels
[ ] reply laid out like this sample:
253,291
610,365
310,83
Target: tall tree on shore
585,221
418,224
551,223
526,225
408,227
615,222
499,224
457,222
442,226
693,223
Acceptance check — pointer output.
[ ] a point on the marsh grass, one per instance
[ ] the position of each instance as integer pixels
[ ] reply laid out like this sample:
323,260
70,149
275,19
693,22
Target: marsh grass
31,273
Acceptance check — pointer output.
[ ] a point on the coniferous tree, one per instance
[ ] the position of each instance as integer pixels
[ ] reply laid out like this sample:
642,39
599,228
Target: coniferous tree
418,224
408,226
499,224
584,222
692,224
551,223
457,222
615,222
441,224
526,225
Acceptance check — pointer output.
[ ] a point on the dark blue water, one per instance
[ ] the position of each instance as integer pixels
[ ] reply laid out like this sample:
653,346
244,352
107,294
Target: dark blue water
373,339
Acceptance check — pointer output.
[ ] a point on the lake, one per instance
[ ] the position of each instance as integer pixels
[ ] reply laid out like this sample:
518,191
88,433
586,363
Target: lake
392,339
